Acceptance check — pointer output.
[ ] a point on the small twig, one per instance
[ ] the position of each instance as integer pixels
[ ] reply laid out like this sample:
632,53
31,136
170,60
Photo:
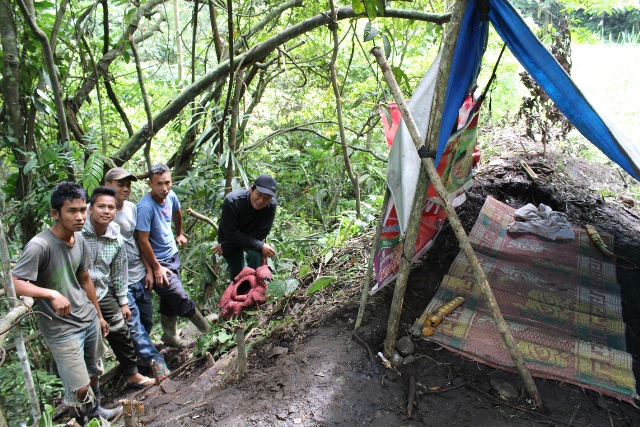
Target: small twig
365,346
574,414
502,402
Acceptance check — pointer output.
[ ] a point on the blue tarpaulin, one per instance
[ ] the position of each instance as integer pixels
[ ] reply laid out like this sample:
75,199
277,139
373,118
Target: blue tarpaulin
544,69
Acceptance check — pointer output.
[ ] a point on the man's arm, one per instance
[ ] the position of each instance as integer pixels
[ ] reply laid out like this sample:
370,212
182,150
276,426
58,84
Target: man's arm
181,240
84,279
159,273
59,302
119,280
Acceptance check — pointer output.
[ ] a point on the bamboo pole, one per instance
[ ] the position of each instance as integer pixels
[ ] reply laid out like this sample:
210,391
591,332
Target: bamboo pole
374,246
17,334
465,246
408,243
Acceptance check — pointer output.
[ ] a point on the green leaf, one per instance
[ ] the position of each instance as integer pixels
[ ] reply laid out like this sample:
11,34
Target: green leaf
304,270
92,173
43,5
40,106
387,45
358,101
374,8
320,283
182,191
369,31
400,75
279,288
358,6
32,163
130,14
223,336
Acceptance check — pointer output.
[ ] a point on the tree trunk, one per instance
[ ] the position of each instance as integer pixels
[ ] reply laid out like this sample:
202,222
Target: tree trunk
15,122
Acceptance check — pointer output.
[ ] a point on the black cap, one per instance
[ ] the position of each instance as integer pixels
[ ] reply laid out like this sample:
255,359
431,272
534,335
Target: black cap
266,184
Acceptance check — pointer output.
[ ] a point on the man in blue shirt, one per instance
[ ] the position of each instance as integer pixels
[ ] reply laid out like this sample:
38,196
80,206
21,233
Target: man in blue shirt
156,210
246,220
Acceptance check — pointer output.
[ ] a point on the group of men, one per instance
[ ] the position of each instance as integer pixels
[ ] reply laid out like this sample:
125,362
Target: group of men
92,273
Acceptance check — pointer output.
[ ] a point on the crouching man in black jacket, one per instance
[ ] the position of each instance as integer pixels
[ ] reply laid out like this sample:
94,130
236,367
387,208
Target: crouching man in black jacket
246,220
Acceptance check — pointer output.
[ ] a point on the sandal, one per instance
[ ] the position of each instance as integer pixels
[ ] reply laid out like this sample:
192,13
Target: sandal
163,371
140,384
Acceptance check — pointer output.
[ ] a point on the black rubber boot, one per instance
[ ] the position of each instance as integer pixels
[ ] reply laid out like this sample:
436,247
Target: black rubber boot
170,335
79,415
97,411
201,323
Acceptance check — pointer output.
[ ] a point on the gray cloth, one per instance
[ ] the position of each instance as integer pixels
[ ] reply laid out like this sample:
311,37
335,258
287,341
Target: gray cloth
403,168
50,263
109,256
542,221
127,219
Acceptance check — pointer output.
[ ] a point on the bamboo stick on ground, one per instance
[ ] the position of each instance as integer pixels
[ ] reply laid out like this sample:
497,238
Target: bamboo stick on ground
242,353
374,246
465,246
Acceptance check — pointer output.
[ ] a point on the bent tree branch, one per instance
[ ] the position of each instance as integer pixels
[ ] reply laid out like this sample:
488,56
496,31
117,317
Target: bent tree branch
255,54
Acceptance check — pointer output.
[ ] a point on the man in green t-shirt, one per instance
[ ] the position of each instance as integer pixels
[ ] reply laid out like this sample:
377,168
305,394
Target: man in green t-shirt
54,269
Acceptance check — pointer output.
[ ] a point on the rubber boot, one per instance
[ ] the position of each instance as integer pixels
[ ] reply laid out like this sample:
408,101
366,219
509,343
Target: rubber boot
79,415
170,331
97,411
201,323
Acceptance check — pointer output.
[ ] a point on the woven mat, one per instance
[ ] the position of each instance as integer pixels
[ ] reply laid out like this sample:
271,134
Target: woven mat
560,300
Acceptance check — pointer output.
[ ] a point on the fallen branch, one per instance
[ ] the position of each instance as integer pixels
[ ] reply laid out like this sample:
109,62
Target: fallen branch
201,217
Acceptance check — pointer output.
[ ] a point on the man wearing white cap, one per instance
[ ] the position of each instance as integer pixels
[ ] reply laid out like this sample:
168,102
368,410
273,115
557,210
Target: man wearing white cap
246,220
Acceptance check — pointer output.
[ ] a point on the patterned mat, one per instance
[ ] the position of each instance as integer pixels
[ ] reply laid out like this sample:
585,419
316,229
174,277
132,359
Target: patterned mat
560,300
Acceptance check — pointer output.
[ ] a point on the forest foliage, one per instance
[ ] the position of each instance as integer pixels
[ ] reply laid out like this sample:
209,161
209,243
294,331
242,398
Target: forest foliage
221,91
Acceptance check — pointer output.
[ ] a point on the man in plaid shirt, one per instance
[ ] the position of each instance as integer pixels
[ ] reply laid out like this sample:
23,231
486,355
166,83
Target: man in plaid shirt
109,275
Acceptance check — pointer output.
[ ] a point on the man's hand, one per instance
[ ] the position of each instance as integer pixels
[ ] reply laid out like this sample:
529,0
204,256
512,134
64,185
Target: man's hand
181,241
218,249
148,280
104,326
126,313
60,303
160,276
267,251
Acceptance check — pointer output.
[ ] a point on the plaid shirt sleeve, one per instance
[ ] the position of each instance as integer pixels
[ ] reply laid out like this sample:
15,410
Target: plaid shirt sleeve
119,273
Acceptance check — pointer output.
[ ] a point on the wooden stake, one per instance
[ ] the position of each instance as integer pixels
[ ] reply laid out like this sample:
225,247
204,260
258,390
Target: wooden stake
465,246
132,412
154,369
374,246
242,353
412,395
17,334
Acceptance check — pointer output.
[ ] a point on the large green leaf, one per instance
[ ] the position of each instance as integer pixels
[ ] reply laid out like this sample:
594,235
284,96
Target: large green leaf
92,173
320,283
279,288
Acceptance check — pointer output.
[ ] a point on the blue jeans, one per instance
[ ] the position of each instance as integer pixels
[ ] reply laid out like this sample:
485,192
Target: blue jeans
141,322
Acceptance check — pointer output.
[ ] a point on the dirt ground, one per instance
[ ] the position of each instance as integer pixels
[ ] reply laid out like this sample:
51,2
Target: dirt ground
316,371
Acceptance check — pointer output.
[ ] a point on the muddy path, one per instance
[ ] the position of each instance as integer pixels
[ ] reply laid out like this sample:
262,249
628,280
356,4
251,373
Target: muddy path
316,371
